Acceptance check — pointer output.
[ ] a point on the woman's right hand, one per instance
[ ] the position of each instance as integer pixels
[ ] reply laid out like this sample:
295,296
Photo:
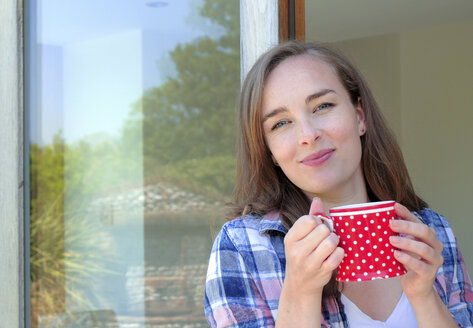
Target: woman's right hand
312,254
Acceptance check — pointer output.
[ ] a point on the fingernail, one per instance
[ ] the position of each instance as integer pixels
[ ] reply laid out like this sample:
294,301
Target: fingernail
393,223
394,239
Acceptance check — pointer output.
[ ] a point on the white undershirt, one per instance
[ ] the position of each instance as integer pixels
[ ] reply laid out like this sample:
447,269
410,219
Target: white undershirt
401,317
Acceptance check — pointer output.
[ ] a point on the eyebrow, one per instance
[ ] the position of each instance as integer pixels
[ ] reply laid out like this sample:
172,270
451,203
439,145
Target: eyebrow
318,94
309,98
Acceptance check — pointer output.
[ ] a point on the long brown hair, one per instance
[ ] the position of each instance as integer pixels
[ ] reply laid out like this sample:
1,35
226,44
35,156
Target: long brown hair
261,186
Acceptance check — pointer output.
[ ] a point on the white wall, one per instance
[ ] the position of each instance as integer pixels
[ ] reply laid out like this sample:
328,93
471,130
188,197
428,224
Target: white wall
11,166
436,118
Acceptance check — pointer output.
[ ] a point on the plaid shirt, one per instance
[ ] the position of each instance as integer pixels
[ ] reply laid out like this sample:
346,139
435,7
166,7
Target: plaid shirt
247,266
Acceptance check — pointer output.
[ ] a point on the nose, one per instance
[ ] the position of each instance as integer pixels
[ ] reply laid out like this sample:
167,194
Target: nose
309,132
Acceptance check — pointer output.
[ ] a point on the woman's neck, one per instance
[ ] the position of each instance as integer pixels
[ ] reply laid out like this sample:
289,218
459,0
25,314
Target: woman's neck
354,194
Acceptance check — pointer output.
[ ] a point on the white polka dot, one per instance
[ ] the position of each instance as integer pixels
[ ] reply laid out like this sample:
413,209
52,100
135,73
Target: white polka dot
382,252
394,262
380,239
379,227
355,242
369,254
346,254
364,261
388,257
348,237
348,279
346,223
342,230
366,228
377,214
384,219
378,272
376,259
340,218
351,261
384,264
357,255
386,276
353,229
351,217
362,248
348,267
397,274
388,212
373,234
358,267
343,242
366,273
371,221
385,232
359,279
367,241
353,273
371,266
349,248
390,270
359,223
387,244
360,235
375,246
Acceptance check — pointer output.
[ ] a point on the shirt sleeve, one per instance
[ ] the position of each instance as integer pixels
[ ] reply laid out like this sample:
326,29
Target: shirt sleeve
231,296
453,283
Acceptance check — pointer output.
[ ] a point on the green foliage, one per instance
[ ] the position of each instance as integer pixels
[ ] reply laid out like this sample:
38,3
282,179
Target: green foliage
181,132
188,123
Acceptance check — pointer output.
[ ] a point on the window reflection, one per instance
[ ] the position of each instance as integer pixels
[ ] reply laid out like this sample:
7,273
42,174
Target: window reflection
132,157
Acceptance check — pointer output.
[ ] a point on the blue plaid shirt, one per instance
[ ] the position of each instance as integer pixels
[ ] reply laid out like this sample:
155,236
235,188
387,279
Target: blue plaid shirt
247,266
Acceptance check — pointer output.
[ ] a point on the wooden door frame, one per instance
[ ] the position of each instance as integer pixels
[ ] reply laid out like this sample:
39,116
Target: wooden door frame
291,16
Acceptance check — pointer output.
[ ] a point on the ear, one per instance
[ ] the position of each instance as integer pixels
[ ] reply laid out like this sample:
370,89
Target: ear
361,118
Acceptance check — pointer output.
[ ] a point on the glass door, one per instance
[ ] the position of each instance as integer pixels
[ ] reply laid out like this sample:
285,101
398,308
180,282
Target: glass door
131,122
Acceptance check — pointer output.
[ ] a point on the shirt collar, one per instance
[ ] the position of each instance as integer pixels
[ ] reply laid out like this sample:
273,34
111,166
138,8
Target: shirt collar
271,222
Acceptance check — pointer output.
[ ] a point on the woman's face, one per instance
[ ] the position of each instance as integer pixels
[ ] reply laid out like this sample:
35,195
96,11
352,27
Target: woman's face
312,128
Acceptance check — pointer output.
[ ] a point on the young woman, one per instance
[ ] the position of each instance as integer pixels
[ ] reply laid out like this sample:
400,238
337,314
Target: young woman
311,137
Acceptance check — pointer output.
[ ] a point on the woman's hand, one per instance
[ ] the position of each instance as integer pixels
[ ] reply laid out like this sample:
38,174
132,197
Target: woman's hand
311,256
419,251
311,253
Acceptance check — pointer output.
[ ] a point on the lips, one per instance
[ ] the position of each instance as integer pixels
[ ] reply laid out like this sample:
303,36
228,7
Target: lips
318,158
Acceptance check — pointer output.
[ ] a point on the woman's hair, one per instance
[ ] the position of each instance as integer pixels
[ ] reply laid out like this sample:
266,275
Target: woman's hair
261,186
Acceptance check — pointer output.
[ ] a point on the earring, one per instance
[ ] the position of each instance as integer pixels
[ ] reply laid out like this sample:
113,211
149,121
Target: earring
362,130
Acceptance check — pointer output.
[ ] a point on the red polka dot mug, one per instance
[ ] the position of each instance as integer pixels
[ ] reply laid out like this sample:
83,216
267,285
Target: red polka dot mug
364,235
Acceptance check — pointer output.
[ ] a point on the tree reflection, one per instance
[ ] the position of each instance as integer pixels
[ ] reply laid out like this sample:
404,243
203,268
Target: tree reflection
184,131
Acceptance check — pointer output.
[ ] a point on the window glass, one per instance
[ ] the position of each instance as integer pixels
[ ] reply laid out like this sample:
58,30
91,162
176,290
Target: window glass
417,57
132,127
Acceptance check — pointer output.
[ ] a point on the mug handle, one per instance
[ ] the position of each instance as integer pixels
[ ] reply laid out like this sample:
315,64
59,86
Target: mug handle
328,222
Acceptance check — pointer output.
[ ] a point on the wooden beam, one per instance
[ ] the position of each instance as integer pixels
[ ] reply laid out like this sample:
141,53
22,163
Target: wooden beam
284,13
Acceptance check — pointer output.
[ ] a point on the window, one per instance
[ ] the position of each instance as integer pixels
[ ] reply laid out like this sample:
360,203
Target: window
131,110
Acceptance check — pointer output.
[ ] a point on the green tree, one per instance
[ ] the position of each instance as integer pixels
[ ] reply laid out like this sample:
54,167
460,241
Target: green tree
188,123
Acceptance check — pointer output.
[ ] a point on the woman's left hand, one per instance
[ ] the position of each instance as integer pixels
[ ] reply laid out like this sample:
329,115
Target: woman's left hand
419,251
